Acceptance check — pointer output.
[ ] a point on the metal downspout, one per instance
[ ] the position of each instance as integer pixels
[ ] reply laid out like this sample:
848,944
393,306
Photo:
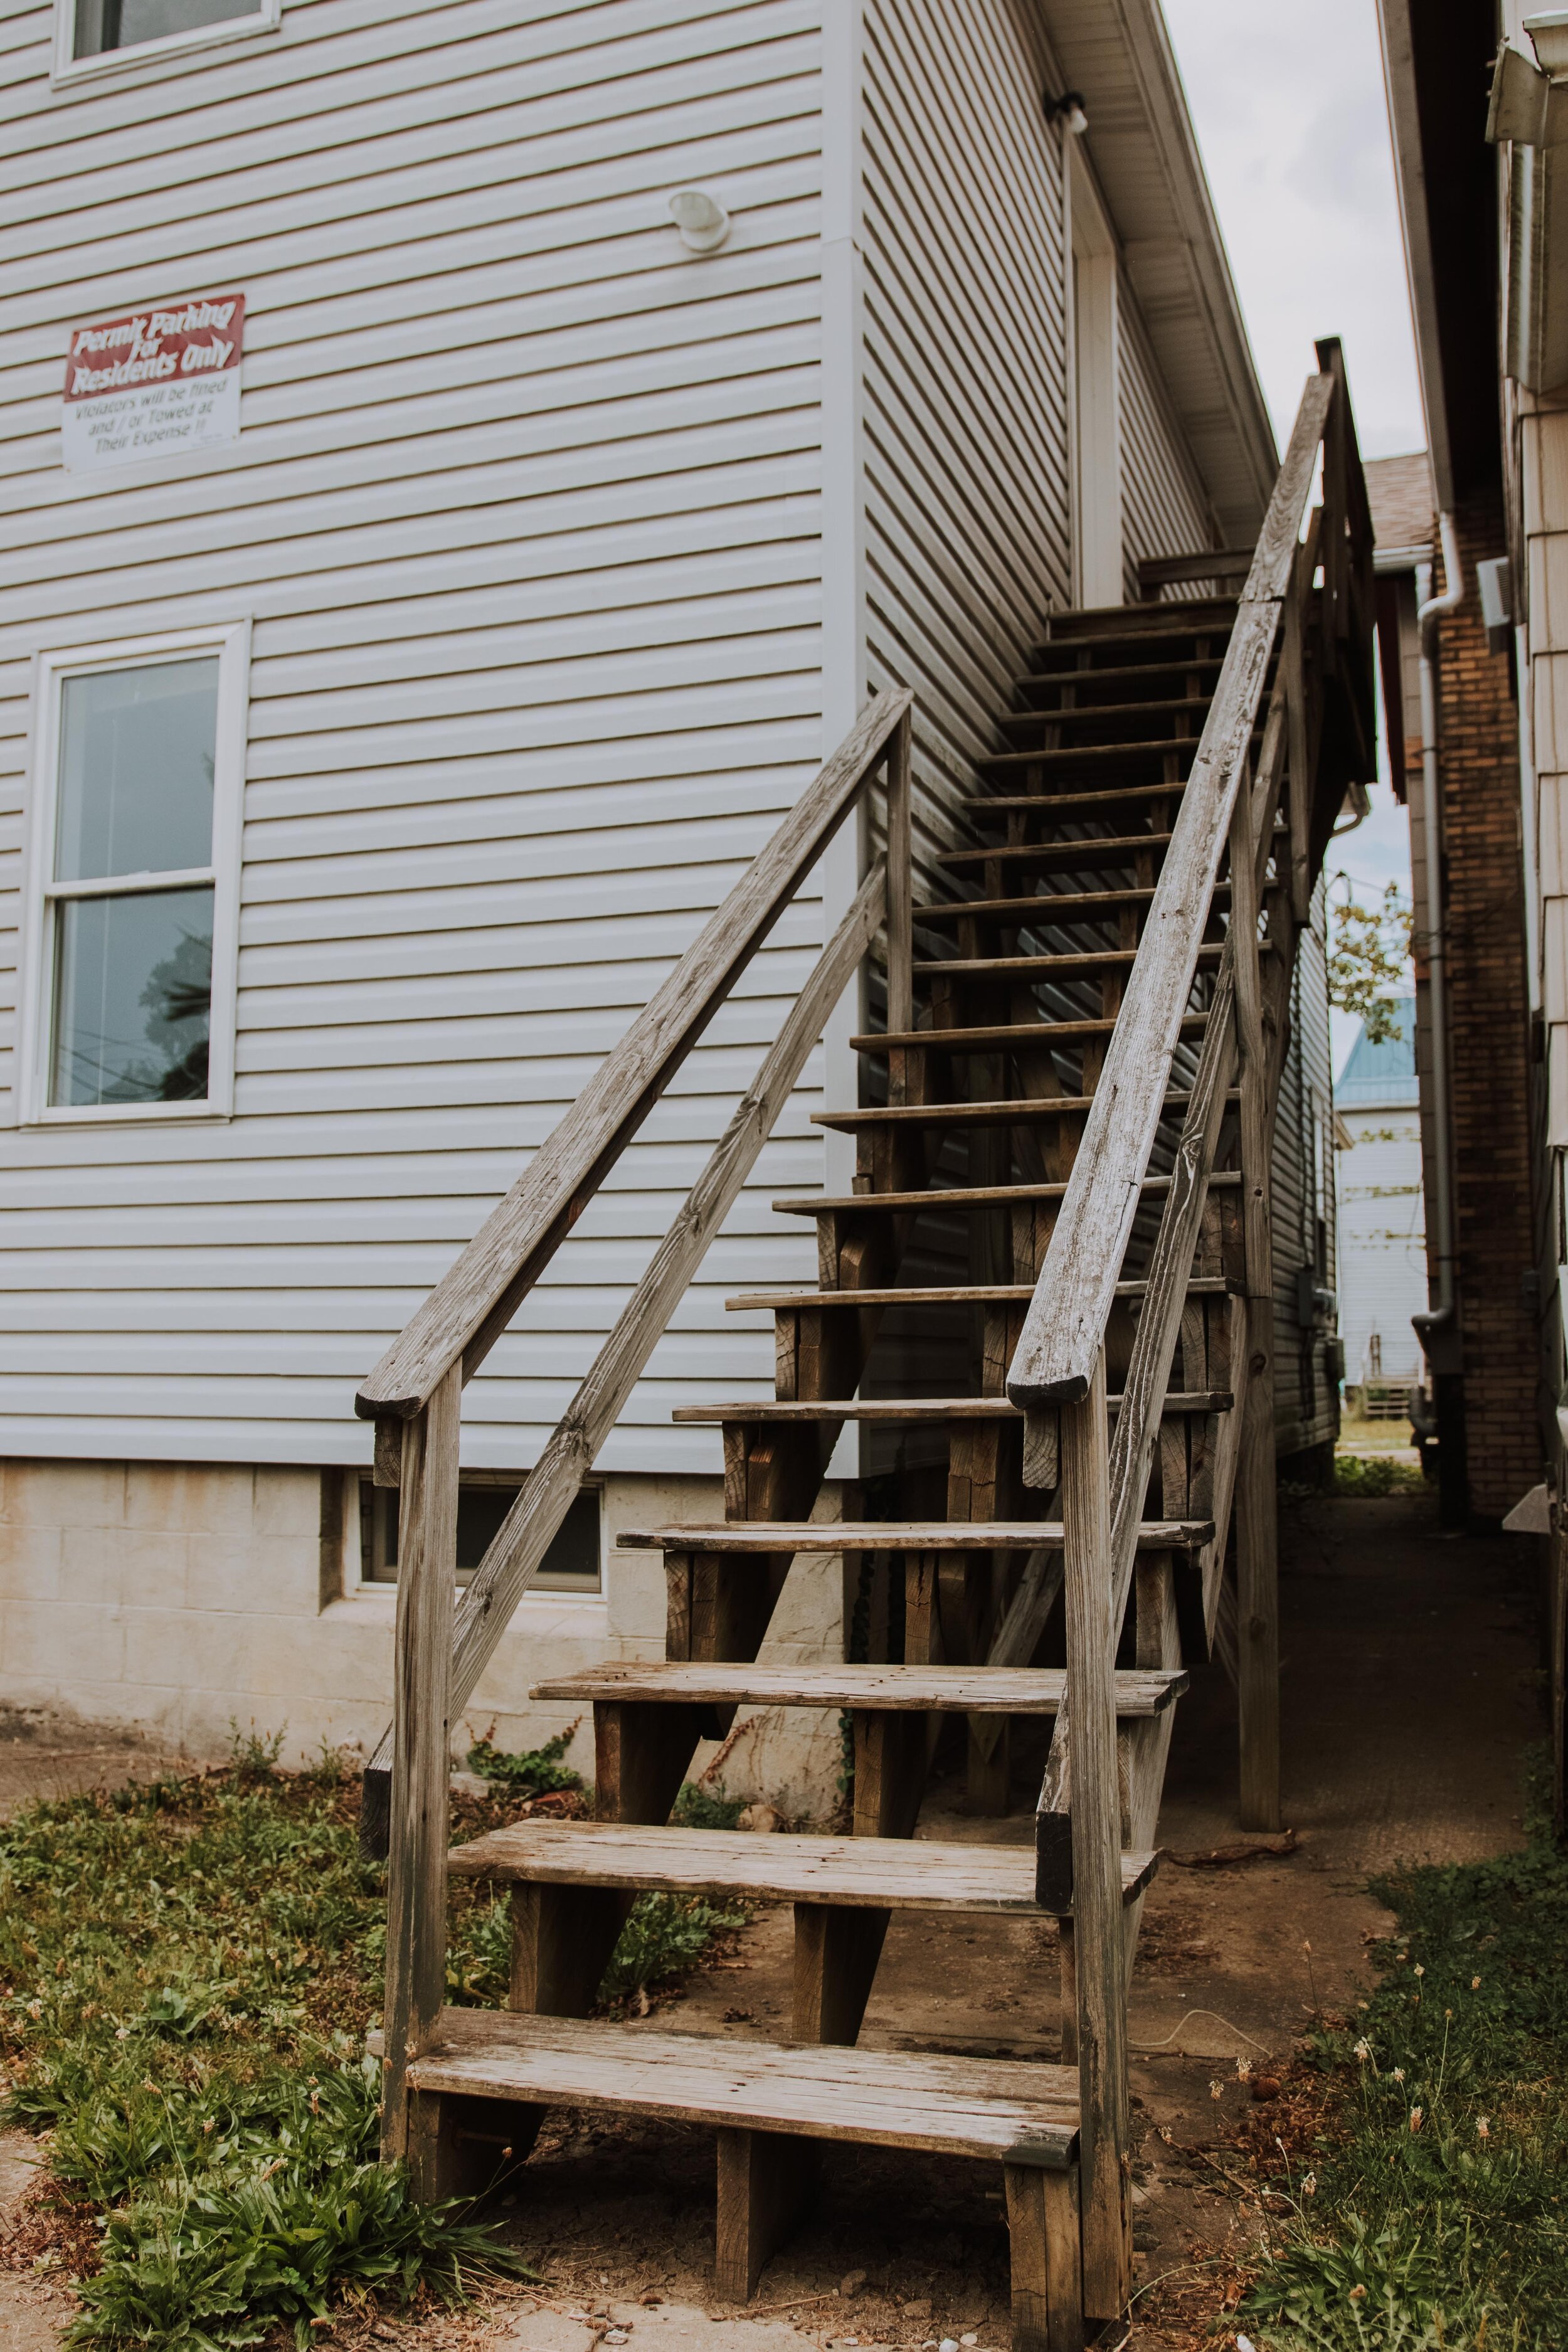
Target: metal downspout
1438,1330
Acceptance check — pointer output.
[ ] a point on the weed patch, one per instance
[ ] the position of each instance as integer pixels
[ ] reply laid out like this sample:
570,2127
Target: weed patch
1371,1475
186,1972
1432,2208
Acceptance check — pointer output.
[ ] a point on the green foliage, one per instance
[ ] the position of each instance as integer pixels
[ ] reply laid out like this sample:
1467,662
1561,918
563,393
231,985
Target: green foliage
1367,1475
697,1808
664,1935
186,1971
537,1772
1369,958
1435,2216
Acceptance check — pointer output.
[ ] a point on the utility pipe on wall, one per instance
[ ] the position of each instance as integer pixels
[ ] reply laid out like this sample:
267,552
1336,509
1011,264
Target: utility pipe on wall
1438,1330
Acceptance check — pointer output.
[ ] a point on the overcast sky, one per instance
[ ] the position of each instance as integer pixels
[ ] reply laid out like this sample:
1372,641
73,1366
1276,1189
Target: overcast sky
1287,99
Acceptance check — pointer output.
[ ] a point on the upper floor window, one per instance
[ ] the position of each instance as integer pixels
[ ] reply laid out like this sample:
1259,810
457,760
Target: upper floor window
93,34
133,878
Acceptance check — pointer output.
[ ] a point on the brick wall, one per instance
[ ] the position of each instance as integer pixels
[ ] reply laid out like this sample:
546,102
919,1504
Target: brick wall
1489,1035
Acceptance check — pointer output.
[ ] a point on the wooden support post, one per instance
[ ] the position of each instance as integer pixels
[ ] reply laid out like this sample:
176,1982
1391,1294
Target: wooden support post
421,1760
641,1752
1097,1853
1048,2282
766,2179
1256,1532
562,1939
463,2147
1068,1963
890,1771
901,899
836,1948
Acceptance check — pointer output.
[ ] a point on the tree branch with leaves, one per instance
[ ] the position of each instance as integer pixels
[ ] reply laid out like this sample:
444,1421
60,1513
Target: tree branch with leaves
1369,958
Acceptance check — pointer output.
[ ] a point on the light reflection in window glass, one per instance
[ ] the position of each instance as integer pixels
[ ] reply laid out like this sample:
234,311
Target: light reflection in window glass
137,754
132,998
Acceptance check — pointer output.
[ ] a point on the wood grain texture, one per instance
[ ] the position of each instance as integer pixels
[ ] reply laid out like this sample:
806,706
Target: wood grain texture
1044,2233
475,1298
1096,1855
1019,2111
891,1535
1016,1690
919,1409
766,2182
421,1747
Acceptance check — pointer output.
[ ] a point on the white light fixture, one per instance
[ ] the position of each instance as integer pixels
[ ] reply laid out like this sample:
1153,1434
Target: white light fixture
701,219
1070,112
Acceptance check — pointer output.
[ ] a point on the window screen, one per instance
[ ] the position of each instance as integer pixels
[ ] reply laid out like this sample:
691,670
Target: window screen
570,1564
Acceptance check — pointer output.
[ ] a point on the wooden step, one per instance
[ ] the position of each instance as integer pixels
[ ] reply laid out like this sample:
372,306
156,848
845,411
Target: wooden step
1080,964
958,1198
1097,714
919,1409
1017,2110
1085,804
1007,1037
1056,905
895,1873
981,1294
1068,755
1023,1112
1141,1692
1137,624
1096,849
894,1535
1107,673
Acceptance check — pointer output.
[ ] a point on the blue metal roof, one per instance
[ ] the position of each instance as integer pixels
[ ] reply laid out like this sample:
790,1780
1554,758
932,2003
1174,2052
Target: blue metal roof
1384,1073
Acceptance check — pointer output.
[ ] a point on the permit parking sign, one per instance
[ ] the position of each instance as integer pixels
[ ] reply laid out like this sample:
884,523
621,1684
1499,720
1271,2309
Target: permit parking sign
154,382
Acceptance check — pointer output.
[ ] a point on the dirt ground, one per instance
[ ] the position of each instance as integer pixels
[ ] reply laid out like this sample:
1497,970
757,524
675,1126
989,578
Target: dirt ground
1411,1685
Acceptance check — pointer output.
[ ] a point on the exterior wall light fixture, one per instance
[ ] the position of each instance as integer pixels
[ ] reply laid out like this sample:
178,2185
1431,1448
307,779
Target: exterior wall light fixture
1070,112
701,219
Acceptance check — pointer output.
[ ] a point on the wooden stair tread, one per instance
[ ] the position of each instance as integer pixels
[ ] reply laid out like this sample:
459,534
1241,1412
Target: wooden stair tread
963,1408
1071,965
1018,2111
899,1874
1102,673
985,1294
1063,755
915,1690
1137,623
893,1535
1003,1035
1059,906
1101,796
968,1196
1019,1111
1091,849
1097,713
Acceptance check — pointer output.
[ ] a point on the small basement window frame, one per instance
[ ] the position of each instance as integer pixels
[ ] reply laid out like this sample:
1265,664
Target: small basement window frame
265,17
230,641
377,1509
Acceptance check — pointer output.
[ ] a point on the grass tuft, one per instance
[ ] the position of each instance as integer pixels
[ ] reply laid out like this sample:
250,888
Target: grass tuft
537,1772
186,1972
1434,2209
1370,1476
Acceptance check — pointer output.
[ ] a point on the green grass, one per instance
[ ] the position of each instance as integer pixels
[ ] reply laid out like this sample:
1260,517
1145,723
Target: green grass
186,1974
1371,1475
1434,2209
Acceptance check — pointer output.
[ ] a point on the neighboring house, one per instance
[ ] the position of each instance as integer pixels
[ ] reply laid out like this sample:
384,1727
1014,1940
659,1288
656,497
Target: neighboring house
1477,939
1382,1228
446,567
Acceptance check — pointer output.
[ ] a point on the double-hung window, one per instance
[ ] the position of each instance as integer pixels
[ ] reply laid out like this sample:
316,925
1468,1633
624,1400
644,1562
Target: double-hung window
133,878
92,36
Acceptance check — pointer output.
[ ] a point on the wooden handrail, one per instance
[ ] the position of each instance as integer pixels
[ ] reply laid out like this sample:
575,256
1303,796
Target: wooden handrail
1065,1328
475,1300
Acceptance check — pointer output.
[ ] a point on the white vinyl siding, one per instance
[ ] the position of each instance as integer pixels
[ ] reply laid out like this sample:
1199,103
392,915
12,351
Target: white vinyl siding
967,504
1164,509
525,509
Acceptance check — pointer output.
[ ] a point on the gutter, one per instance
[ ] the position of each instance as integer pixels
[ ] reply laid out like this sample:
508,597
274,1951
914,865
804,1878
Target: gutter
1438,1330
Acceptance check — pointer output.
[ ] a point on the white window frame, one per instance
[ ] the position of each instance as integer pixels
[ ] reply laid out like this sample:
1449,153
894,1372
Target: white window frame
1095,393
231,642
265,17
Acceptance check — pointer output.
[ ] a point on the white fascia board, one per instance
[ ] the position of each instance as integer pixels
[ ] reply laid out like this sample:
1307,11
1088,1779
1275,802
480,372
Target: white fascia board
1410,179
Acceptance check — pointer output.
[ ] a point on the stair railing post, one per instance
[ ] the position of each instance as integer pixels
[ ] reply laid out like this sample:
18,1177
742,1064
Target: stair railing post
1257,1531
1098,1924
421,1757
900,898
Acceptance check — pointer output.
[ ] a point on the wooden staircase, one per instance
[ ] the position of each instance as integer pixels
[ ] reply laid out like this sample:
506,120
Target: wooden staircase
1069,1108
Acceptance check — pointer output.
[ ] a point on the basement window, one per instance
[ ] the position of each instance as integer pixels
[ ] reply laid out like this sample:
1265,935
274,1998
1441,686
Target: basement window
93,35
484,1497
133,876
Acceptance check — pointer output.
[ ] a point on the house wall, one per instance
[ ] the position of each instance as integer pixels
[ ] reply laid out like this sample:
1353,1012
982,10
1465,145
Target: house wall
1165,511
1305,1397
1382,1236
526,509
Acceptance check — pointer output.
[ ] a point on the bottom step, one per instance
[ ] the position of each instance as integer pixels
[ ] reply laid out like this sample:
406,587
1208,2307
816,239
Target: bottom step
477,2090
1019,2112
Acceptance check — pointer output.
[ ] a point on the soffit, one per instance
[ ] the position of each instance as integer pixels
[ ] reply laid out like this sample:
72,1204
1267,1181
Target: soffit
1145,157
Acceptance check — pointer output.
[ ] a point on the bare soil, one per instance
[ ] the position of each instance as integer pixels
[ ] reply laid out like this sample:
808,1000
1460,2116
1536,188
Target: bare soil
1411,1684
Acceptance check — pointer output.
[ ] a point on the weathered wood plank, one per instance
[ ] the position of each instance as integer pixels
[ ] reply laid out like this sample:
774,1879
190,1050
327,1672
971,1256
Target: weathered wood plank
421,1756
917,1409
1018,1690
765,2181
477,1298
891,1534
1044,2231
